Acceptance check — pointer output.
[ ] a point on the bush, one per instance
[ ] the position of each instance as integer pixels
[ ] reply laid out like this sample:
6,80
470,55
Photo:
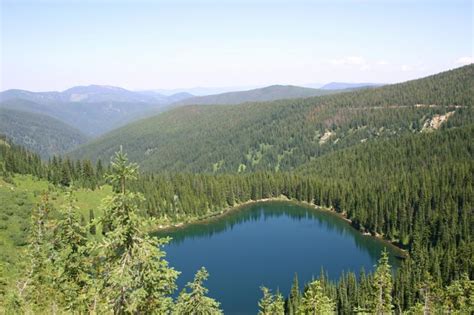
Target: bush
24,226
19,239
8,179
24,213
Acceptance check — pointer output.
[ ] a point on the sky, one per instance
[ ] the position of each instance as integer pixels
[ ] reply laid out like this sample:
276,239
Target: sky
169,44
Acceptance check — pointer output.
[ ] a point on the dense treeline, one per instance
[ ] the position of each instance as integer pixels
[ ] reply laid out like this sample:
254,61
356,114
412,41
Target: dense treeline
283,135
369,294
269,93
57,170
415,190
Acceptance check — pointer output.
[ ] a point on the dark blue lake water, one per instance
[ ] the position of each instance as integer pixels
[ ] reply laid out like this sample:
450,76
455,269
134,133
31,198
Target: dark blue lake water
266,244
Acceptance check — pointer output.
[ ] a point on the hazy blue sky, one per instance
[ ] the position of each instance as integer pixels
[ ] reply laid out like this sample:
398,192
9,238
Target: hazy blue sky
53,45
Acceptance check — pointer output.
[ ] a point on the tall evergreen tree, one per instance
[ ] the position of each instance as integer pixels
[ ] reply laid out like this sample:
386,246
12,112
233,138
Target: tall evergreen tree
71,258
196,302
278,305
382,286
294,298
271,304
314,301
266,302
37,289
136,278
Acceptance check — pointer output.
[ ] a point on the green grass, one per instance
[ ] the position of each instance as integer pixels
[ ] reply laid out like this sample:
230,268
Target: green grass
17,200
85,200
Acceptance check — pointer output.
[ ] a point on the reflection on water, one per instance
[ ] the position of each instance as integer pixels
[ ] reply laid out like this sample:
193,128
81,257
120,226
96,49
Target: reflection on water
266,244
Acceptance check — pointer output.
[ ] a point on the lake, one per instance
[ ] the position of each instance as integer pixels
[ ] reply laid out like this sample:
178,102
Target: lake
265,244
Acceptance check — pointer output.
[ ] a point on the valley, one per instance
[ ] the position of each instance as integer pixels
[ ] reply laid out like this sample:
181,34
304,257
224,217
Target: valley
181,157
384,168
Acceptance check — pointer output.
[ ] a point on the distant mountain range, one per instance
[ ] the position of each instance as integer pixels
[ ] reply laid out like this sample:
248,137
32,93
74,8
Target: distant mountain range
204,91
201,91
269,93
96,109
93,94
93,109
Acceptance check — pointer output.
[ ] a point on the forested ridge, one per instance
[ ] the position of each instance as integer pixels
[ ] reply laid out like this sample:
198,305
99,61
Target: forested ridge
283,135
40,133
92,109
410,181
269,93
436,195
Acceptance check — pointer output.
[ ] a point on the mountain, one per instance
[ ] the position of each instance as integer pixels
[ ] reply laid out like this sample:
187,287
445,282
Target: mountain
102,93
37,97
201,91
269,93
175,97
179,97
93,109
86,94
285,134
40,133
90,118
345,86
313,85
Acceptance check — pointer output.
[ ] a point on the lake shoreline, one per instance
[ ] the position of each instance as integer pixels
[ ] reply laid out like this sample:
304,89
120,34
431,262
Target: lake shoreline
237,207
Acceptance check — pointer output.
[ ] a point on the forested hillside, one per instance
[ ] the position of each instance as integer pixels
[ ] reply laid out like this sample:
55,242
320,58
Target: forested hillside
269,93
40,133
236,157
283,135
347,86
415,190
90,118
392,161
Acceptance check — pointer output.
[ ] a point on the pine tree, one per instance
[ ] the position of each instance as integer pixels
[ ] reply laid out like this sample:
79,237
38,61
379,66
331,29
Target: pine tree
196,302
427,291
136,278
294,298
314,301
278,305
65,175
271,304
382,286
459,296
266,302
38,289
92,224
71,263
99,169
